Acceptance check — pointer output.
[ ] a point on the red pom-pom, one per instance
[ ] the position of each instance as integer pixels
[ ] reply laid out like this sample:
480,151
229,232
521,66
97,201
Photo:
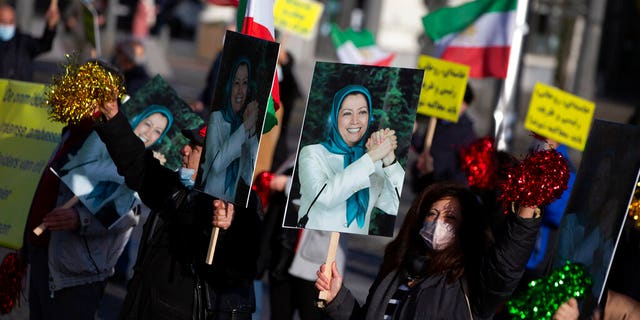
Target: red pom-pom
11,272
480,163
262,186
536,181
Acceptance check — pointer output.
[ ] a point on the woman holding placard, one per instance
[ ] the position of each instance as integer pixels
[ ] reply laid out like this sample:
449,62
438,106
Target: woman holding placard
344,177
442,264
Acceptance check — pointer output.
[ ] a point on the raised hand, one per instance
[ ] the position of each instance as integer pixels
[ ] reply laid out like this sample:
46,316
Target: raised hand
424,163
109,109
567,311
52,16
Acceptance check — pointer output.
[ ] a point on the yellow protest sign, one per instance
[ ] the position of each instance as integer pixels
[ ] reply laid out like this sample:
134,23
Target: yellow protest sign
297,16
442,88
27,139
560,116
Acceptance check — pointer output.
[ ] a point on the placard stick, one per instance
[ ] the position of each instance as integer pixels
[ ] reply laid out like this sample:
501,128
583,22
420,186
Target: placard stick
428,138
70,203
53,3
212,245
331,257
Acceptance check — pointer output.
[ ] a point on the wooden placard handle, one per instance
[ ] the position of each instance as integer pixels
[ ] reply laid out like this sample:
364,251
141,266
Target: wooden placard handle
331,257
212,245
428,138
70,203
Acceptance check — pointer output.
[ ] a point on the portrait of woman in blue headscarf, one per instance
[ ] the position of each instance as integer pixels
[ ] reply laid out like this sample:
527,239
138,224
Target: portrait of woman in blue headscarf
352,171
232,139
92,176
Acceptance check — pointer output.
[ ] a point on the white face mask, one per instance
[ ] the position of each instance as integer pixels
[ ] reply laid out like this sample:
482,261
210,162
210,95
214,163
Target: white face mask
437,234
186,177
7,31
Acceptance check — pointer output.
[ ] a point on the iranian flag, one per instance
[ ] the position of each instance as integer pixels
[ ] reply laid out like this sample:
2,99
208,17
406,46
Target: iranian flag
255,18
359,47
477,34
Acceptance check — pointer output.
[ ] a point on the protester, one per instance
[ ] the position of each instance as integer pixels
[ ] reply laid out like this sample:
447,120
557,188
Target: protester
344,177
17,50
442,161
291,256
442,264
171,279
543,253
129,57
71,261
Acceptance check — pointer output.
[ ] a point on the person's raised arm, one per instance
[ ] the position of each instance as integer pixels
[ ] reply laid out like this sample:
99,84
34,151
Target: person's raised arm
141,171
52,16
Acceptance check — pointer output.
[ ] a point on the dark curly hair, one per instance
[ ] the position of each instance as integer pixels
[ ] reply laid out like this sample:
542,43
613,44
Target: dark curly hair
471,240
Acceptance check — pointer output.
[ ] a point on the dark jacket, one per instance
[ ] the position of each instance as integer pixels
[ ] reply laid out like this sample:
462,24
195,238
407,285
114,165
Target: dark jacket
171,280
435,298
448,139
17,54
135,78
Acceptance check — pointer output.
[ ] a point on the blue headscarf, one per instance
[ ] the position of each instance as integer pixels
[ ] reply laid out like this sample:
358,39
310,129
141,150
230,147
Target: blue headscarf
154,108
358,203
235,120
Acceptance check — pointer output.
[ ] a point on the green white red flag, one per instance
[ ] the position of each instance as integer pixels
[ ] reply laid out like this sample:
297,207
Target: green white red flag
359,47
255,18
477,34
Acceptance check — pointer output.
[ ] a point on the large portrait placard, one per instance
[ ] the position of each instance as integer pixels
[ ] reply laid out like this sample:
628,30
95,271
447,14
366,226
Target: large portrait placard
598,205
156,114
234,129
353,148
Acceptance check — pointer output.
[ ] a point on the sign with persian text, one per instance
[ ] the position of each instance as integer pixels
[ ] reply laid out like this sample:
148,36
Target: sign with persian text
297,16
442,88
560,116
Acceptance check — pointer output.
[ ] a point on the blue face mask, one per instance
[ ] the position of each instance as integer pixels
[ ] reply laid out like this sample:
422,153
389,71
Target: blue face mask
7,31
186,175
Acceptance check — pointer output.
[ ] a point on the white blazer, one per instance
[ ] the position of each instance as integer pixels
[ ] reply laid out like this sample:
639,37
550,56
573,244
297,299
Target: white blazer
319,168
221,148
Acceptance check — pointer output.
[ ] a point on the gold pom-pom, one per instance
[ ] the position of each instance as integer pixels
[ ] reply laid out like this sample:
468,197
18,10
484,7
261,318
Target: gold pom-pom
76,93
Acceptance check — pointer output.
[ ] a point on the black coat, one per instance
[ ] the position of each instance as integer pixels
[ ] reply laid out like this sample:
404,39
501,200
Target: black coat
435,298
171,280
135,78
17,54
448,139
